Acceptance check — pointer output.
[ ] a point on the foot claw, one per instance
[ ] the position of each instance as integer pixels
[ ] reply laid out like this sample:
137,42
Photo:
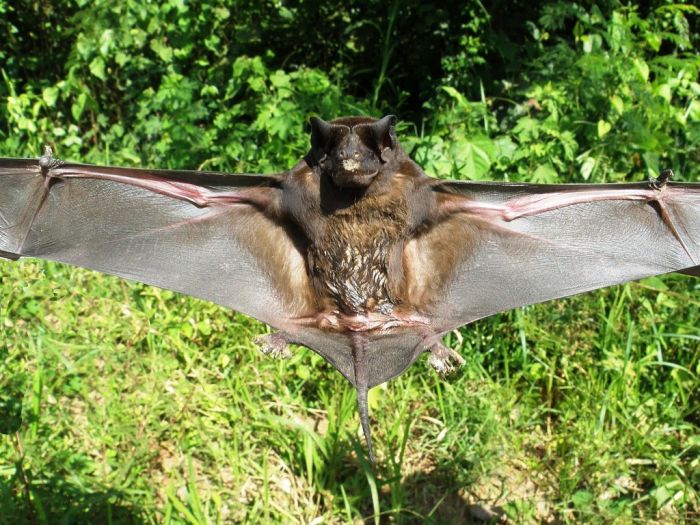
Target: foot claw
443,359
275,345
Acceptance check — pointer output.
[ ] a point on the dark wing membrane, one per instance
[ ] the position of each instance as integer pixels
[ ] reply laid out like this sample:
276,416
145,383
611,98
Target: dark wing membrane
144,225
388,354
517,244
692,271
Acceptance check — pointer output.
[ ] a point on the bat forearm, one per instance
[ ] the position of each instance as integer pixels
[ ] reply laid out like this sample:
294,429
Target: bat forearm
536,204
660,195
263,198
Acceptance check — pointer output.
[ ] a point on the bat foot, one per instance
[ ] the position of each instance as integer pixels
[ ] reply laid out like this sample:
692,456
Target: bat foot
275,345
443,359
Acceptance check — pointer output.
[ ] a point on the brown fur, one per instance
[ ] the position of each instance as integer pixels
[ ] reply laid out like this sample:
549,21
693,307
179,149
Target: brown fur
431,257
282,259
357,254
357,259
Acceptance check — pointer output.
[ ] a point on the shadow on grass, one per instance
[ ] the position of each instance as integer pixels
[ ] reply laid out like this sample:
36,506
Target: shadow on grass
436,496
56,500
439,494
49,497
439,497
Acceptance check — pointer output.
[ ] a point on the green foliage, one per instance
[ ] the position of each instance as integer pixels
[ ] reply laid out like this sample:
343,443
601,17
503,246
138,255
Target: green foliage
616,98
128,404
160,85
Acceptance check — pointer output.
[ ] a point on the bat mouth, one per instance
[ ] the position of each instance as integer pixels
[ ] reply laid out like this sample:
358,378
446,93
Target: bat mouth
353,179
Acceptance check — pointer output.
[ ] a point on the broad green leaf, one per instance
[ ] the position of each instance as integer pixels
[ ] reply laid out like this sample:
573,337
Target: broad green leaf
50,95
280,79
97,68
591,43
617,104
545,174
664,91
162,50
78,106
587,167
641,68
473,157
667,492
582,498
654,40
456,96
505,147
106,41
652,162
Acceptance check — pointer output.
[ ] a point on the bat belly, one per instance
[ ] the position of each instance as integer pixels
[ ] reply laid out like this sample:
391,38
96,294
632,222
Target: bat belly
355,277
358,276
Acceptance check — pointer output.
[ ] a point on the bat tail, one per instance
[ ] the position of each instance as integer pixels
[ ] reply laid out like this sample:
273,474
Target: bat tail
359,357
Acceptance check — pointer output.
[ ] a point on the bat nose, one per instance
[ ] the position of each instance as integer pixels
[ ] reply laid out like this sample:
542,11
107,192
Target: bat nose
348,153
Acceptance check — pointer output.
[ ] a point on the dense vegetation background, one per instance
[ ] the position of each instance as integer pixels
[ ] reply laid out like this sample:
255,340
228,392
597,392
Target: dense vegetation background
127,404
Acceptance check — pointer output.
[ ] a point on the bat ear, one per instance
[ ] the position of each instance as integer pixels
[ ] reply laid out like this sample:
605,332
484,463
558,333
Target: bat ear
320,133
385,132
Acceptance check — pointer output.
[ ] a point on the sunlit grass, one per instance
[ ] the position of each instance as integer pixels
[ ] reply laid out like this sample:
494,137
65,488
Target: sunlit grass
143,406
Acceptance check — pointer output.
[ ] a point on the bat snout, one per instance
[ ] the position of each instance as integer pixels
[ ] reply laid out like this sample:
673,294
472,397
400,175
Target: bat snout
355,177
351,165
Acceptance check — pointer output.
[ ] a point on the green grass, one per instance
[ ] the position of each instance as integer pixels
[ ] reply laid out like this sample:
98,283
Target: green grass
143,406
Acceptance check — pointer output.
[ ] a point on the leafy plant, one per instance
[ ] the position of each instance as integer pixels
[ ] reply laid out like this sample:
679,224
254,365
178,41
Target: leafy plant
138,405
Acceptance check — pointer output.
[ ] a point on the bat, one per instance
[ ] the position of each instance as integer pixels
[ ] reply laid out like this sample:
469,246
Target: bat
354,252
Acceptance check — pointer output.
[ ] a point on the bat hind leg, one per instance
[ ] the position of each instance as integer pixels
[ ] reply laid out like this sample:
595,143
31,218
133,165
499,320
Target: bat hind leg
275,344
443,359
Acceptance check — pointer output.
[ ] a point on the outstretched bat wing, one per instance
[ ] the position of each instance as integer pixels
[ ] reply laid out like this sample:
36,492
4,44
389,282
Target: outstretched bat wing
486,248
517,244
202,234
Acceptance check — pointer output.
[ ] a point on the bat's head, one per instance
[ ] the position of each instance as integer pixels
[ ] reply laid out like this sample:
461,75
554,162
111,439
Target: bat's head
353,150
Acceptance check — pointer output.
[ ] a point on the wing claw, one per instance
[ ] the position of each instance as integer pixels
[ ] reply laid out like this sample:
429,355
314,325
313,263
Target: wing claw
47,161
660,182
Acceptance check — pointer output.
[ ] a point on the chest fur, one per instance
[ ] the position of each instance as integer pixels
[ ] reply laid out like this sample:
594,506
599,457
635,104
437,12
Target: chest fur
357,260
